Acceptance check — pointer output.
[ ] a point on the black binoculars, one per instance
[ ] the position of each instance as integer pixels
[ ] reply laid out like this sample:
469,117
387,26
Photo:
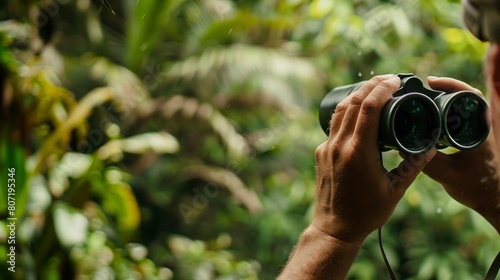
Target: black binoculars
416,118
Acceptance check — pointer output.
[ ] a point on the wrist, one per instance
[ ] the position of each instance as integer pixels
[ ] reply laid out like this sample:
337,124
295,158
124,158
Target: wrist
331,227
320,256
332,241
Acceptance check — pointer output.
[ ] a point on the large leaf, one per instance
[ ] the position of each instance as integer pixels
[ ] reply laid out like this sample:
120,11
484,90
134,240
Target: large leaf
155,142
119,201
71,165
71,226
219,66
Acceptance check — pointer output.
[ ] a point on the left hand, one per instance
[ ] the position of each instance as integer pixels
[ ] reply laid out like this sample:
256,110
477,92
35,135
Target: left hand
470,177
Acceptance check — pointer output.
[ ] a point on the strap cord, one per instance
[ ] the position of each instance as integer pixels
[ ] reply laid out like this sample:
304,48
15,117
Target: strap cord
490,275
387,264
494,268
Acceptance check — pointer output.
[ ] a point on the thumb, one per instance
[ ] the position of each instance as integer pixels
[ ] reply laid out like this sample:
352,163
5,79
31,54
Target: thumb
402,176
449,84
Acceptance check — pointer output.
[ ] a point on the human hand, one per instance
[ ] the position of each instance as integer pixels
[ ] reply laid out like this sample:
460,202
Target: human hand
355,194
470,177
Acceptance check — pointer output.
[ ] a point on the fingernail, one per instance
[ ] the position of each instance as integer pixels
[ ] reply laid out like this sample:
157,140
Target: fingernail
432,77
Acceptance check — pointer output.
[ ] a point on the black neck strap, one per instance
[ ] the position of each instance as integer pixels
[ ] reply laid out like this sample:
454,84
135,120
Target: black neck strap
490,275
494,268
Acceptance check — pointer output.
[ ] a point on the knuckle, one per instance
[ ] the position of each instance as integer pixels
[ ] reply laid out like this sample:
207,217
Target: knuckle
389,84
380,78
356,99
320,150
370,104
341,107
328,151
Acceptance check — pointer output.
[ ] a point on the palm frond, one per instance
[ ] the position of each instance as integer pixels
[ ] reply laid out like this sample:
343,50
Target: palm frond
184,107
239,61
150,21
129,89
222,177
222,67
155,142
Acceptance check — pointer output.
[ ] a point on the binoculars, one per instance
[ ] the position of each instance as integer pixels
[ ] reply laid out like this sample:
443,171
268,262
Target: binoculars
416,118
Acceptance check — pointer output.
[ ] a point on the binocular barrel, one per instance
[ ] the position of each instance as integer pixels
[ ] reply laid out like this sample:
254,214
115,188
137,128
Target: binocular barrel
416,118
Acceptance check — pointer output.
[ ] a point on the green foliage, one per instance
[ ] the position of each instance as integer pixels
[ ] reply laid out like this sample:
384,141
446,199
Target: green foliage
175,139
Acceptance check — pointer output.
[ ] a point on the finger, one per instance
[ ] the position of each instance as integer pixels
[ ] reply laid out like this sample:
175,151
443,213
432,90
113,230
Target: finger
439,168
338,117
450,85
342,108
354,104
369,116
401,177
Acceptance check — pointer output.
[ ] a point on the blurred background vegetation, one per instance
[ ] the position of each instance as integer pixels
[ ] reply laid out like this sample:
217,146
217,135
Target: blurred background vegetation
175,139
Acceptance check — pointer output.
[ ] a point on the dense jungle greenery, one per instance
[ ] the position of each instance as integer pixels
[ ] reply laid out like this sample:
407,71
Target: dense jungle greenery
175,139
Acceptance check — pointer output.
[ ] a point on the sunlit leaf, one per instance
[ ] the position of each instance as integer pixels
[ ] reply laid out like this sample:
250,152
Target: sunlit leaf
120,202
320,8
160,142
70,225
154,142
72,165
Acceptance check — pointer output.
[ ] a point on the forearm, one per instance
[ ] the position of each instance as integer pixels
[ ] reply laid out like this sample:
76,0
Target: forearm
320,256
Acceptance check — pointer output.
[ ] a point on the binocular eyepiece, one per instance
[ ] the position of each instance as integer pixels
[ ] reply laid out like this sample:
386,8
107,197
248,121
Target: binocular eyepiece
416,118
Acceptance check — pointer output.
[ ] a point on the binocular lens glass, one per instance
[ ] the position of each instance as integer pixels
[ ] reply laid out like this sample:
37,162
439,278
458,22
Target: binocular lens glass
464,121
412,124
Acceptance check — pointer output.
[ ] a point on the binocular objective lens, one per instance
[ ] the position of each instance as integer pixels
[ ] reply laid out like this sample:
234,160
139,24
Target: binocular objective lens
464,121
412,124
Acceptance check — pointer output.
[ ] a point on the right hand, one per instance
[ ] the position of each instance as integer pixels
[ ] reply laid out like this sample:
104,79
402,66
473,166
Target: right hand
355,194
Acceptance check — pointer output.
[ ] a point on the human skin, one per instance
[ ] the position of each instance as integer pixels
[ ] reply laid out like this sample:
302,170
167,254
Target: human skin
492,72
471,177
355,194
